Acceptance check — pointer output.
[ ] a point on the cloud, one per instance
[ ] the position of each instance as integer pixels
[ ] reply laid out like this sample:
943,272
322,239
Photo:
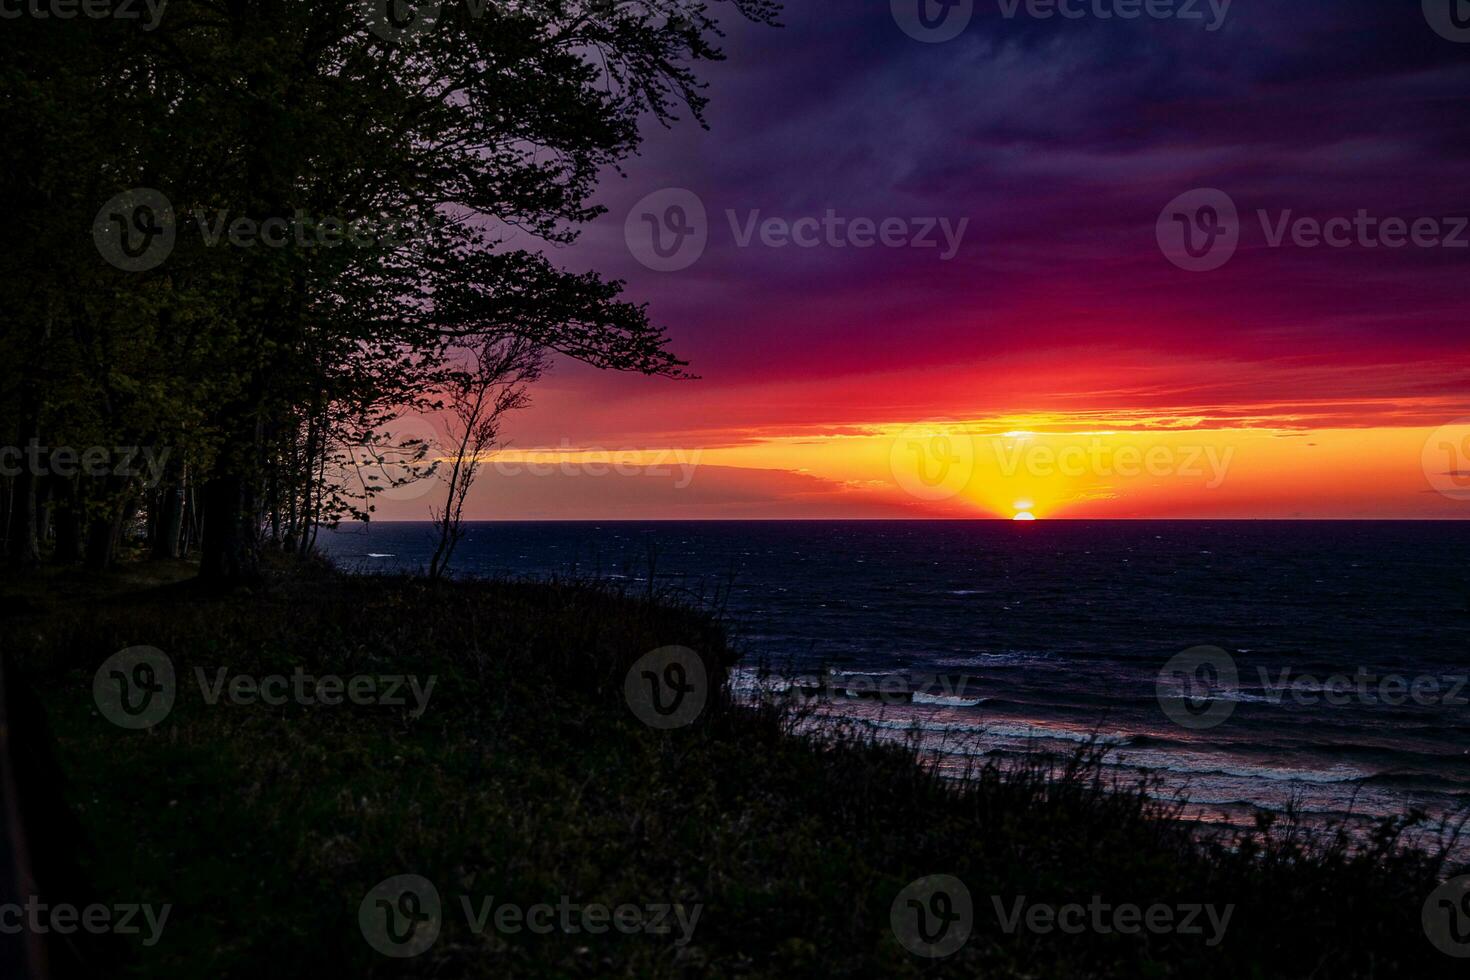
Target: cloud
1060,141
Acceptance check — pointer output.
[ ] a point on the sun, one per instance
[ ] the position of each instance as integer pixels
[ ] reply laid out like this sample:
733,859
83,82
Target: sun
1023,511
1024,515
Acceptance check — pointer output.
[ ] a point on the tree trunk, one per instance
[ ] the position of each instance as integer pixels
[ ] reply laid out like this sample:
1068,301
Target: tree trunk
24,546
193,528
169,524
68,521
230,552
8,483
46,508
101,542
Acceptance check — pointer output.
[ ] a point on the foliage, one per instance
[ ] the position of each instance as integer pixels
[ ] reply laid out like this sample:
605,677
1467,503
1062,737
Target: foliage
527,779
349,207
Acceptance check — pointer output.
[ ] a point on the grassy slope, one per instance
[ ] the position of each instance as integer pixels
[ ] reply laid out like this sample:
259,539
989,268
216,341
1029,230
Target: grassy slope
528,779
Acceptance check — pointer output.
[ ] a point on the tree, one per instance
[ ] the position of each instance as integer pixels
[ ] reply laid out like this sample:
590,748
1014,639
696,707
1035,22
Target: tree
494,383
413,179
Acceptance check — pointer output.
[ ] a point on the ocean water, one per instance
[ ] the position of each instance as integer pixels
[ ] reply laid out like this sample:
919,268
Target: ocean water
1026,637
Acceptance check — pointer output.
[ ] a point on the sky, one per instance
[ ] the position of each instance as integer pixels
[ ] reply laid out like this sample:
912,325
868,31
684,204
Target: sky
1204,265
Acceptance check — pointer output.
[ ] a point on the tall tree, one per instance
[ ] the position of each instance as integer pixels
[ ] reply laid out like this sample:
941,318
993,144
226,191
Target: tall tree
341,189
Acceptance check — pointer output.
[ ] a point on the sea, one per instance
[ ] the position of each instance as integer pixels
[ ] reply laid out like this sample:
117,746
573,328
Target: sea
1239,667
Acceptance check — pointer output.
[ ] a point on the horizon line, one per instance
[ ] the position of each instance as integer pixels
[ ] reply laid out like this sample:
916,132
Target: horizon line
930,520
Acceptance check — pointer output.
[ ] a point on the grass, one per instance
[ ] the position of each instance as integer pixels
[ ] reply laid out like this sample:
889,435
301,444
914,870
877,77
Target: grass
528,779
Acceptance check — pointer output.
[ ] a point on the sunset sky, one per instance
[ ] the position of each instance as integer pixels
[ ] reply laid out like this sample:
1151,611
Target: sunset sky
1059,359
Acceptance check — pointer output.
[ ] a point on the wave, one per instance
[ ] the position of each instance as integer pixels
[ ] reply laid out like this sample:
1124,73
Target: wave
1008,658
1002,731
946,700
1163,762
1427,781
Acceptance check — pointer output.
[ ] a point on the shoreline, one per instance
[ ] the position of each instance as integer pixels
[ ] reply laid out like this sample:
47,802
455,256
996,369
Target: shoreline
528,757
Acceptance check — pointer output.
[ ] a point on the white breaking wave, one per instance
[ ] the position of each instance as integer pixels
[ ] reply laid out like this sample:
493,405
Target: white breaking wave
948,700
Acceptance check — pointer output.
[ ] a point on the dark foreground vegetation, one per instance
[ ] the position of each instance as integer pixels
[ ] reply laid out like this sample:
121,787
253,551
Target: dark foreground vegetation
527,779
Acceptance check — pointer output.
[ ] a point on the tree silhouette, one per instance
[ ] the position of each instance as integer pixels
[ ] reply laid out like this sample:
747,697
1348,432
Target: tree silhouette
346,199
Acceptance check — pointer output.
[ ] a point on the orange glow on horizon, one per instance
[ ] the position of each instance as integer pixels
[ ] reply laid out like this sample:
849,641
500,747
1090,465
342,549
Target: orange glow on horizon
1008,468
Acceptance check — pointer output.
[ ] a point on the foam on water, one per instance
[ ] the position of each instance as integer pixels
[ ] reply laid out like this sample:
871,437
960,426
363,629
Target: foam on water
1059,630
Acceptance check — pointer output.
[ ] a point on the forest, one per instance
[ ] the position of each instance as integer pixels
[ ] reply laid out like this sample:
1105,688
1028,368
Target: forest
247,236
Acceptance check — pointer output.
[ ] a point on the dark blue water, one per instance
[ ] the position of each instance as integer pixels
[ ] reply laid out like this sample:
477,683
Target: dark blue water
1047,633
